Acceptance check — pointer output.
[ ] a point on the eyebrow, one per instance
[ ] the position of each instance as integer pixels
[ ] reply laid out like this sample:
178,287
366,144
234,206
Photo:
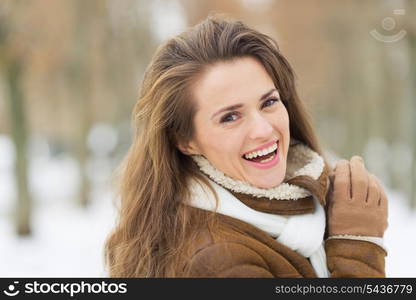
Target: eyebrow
239,105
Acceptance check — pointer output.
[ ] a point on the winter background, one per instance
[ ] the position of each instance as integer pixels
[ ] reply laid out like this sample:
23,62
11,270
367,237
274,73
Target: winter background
98,57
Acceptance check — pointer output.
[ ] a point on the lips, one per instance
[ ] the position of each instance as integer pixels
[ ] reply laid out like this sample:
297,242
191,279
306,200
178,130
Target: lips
259,151
266,161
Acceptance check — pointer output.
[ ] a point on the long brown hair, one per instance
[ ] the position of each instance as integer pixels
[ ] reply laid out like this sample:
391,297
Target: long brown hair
155,224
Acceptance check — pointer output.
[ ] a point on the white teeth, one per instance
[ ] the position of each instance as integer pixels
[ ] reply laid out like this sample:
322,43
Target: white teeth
261,152
267,159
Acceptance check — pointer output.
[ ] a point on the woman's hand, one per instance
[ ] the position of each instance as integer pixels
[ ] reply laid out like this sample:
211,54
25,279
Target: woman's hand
357,203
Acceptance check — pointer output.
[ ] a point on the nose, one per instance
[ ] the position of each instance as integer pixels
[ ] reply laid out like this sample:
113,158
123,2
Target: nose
260,128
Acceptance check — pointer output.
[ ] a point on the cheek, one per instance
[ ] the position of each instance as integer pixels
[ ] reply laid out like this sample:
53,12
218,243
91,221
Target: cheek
280,120
286,124
221,147
283,118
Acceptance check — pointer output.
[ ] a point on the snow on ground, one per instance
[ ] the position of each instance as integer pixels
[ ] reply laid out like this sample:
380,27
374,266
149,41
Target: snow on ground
67,241
399,238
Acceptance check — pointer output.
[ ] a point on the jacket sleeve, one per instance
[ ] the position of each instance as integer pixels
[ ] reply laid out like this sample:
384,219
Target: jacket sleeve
354,258
227,259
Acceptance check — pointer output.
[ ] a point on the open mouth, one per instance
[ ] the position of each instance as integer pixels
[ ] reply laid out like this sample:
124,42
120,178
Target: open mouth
263,156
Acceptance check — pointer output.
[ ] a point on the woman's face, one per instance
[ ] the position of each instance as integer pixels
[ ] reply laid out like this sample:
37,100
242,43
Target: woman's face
240,121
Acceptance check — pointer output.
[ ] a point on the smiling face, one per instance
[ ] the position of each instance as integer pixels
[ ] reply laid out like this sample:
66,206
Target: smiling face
239,122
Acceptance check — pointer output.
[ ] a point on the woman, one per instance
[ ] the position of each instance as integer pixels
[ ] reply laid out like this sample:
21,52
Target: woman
225,176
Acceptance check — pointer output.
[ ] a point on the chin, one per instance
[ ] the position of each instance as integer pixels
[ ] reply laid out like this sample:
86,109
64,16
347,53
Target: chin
267,184
274,178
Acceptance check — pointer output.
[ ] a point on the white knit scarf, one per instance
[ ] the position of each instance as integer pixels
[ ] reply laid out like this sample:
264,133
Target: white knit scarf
301,233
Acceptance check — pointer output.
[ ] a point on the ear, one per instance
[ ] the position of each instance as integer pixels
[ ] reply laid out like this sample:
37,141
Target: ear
189,148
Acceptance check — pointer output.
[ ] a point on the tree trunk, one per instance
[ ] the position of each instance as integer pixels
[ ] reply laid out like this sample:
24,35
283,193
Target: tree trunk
82,86
19,135
81,143
412,70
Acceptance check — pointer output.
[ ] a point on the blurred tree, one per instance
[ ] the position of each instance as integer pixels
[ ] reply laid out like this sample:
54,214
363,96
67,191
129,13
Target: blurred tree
80,81
12,57
19,134
411,36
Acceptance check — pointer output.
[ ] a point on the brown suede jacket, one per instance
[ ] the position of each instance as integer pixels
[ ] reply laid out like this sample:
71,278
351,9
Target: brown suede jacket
238,249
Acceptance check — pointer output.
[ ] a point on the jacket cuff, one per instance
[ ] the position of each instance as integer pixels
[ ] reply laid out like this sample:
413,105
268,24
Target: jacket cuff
372,239
354,258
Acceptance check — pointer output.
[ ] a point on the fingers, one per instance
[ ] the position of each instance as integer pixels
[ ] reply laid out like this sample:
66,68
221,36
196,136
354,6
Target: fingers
353,182
365,212
373,196
342,180
382,201
359,179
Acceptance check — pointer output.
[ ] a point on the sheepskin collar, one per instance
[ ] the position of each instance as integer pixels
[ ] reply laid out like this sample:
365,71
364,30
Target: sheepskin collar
301,160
